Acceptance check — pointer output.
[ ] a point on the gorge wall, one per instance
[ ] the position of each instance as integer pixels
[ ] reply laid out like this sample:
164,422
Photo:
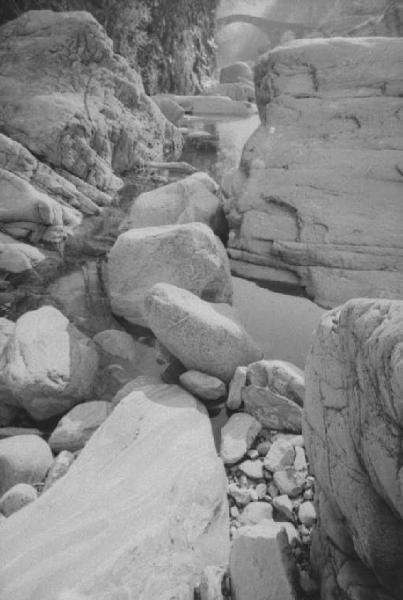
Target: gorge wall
316,202
170,43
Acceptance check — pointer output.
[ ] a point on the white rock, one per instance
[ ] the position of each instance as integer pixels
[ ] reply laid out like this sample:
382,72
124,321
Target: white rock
256,512
217,105
300,463
16,257
23,459
198,335
16,498
59,468
146,497
202,385
261,564
241,495
189,256
280,455
210,583
289,481
117,344
237,436
252,469
76,427
48,364
307,513
238,381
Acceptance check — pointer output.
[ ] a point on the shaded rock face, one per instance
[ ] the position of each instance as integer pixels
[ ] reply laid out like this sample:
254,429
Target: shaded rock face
75,104
170,43
149,497
316,202
353,435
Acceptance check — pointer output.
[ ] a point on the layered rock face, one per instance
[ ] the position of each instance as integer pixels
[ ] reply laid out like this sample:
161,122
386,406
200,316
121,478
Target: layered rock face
353,435
317,200
68,101
140,513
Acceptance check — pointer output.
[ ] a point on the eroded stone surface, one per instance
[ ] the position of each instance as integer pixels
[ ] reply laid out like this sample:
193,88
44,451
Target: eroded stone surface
352,430
304,205
149,495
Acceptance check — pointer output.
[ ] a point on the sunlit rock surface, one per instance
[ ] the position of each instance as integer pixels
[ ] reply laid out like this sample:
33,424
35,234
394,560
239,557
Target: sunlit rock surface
352,430
316,202
76,105
140,513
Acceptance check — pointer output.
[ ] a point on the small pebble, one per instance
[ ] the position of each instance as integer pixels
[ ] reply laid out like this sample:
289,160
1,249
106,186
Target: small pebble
253,495
16,497
234,512
272,490
284,506
252,454
300,463
308,494
243,481
261,490
252,468
256,512
309,482
263,448
307,514
240,495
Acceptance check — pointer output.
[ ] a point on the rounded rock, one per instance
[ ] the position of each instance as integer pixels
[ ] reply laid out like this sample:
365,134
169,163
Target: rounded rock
307,514
23,459
17,497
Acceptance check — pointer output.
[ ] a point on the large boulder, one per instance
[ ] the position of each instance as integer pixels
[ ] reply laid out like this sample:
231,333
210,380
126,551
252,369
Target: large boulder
71,100
48,364
185,201
143,510
352,430
189,256
198,335
304,206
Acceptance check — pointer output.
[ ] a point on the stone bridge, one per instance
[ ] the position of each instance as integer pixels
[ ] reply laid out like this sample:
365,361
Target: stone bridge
273,29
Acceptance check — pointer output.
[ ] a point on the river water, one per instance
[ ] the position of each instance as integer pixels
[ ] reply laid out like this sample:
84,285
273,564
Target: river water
281,324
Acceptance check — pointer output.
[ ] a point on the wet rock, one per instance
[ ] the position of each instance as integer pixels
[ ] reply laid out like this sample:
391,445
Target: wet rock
150,473
59,468
236,72
16,498
203,386
237,436
272,410
281,376
280,455
256,512
49,365
76,427
188,200
238,381
23,459
351,430
189,256
193,331
261,564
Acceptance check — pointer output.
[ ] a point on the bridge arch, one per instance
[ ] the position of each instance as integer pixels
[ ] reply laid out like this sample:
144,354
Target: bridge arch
273,29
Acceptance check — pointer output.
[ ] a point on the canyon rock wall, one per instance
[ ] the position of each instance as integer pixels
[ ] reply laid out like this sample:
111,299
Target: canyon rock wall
316,202
353,434
171,44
